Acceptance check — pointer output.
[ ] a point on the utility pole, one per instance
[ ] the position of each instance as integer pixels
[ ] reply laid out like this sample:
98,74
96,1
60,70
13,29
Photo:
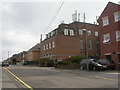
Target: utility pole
39,47
8,57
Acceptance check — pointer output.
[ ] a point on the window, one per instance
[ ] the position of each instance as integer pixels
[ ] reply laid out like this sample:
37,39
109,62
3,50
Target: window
108,57
81,44
105,21
52,33
89,44
96,33
117,16
97,44
118,57
65,31
46,36
53,44
117,35
49,45
49,35
80,32
72,32
46,46
106,38
89,32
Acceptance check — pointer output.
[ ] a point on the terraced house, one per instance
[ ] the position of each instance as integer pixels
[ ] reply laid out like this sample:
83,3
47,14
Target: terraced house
72,39
109,30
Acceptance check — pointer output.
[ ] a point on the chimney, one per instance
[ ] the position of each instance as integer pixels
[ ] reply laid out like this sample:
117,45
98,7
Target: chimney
41,38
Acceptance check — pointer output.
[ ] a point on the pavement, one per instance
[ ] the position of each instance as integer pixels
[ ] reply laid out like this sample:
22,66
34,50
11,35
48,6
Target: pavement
8,81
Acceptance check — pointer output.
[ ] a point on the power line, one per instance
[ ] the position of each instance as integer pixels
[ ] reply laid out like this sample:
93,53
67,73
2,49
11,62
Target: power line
54,16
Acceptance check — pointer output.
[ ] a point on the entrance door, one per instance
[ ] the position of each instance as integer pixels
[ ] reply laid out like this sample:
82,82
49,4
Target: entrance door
108,57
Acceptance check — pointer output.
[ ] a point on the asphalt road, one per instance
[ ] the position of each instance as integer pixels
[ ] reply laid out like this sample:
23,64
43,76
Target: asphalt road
38,77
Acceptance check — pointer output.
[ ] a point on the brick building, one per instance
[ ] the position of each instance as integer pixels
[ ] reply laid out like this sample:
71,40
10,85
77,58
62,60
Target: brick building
70,40
32,55
110,32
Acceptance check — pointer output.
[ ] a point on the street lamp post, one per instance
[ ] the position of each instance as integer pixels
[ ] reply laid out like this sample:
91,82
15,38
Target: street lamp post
86,42
86,45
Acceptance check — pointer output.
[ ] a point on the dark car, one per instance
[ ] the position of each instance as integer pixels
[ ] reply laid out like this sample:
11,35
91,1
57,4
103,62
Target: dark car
90,64
5,63
107,64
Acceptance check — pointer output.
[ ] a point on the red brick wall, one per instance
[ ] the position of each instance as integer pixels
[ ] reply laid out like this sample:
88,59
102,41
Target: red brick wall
111,29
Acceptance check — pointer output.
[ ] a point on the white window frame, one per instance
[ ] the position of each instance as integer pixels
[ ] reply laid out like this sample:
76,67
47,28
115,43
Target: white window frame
46,46
52,33
105,21
89,32
81,44
66,32
49,35
49,45
96,33
71,32
80,32
53,44
106,38
117,35
117,16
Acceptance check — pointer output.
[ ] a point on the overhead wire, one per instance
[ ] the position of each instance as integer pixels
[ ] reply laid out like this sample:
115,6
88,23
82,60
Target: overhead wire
54,16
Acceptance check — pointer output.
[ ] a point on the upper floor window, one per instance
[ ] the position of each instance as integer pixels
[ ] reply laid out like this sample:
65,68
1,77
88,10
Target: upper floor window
71,32
49,35
105,21
117,35
52,33
106,38
96,33
117,16
89,32
81,44
49,45
53,44
81,32
44,47
66,32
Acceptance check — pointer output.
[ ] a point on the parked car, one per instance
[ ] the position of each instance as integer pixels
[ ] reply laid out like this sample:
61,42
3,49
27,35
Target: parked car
107,64
90,64
5,63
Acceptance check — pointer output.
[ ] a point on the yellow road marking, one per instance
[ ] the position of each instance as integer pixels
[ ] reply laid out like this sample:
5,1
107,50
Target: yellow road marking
19,79
104,78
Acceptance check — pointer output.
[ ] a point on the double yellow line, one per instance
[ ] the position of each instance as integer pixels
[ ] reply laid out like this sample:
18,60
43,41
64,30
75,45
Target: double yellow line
18,79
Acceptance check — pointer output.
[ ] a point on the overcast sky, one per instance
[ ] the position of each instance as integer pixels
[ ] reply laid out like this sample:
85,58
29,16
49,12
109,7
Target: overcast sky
22,22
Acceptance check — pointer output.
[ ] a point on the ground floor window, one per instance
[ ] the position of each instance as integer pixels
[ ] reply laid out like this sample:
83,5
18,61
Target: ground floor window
108,57
119,57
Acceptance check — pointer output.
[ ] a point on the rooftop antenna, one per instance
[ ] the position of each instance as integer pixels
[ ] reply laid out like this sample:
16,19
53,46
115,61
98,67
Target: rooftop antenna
75,15
78,17
84,18
96,20
62,22
40,38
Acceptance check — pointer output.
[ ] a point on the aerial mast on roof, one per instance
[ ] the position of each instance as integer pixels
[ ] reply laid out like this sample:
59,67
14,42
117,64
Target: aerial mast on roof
75,16
84,17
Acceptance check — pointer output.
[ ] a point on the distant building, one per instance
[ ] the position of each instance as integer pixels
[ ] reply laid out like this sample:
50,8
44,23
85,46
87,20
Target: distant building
33,55
70,40
110,32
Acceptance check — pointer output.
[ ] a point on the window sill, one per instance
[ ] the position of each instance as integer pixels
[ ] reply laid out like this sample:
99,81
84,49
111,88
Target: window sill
106,43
